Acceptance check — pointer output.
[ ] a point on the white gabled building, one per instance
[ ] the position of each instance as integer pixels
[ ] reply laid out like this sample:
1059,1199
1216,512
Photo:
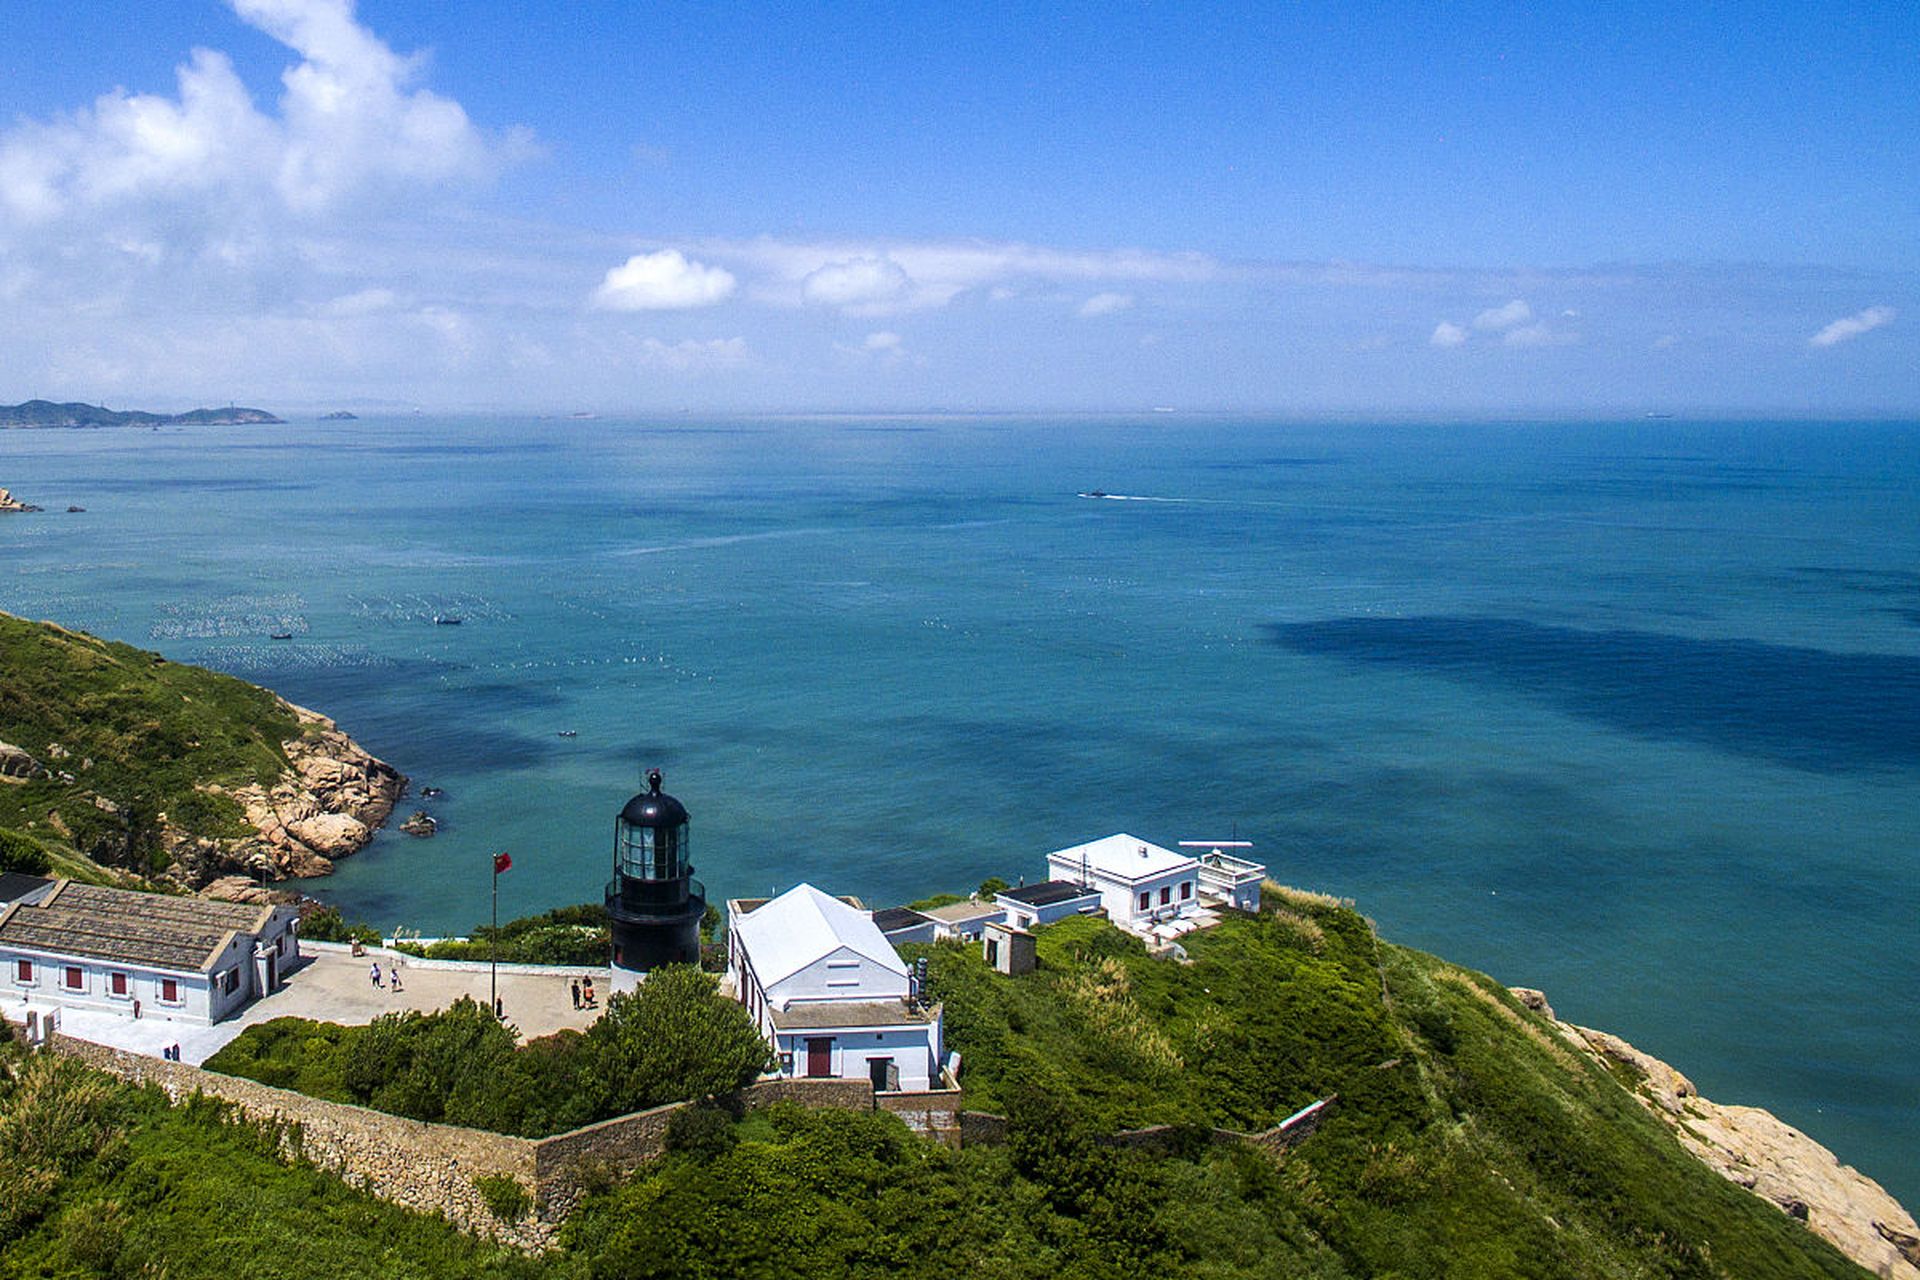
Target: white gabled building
829,991
142,955
1141,885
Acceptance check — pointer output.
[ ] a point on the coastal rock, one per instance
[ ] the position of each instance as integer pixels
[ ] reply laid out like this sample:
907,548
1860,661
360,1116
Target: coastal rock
420,823
243,889
16,762
1757,1150
10,503
333,796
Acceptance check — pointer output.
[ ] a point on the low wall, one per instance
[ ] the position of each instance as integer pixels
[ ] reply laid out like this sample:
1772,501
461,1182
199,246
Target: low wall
429,1168
934,1113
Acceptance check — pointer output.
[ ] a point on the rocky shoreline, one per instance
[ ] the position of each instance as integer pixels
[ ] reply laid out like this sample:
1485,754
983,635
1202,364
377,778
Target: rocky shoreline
1757,1150
10,503
327,805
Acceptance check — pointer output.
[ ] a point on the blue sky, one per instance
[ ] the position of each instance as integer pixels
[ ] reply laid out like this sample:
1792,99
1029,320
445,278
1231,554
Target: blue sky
1291,208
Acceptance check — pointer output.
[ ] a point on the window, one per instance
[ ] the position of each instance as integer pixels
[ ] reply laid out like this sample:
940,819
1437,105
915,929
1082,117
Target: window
1186,890
169,991
76,979
117,984
23,972
1166,894
1146,901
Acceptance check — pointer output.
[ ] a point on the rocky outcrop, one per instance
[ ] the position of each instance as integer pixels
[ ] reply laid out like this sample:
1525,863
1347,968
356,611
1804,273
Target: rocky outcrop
332,798
16,762
1762,1153
10,503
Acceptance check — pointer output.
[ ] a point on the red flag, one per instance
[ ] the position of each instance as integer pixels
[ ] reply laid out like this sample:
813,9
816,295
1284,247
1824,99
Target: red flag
502,862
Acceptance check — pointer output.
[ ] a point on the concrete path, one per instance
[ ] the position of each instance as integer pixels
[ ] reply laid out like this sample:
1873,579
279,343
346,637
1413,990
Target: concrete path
336,987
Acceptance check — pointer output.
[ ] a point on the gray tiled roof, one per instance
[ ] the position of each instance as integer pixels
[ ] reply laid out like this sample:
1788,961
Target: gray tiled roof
831,1015
150,929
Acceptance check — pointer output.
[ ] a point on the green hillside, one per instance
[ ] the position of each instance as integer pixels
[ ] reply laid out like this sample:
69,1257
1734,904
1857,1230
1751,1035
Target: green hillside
1466,1138
123,738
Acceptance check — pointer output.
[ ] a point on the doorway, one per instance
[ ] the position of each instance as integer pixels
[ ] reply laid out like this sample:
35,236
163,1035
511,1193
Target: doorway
883,1075
819,1056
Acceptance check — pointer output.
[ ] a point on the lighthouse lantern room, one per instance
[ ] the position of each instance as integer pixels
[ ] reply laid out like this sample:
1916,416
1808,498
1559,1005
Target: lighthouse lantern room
654,904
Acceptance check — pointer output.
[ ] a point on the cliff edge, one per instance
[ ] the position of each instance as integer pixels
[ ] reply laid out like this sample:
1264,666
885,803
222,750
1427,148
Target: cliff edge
1755,1149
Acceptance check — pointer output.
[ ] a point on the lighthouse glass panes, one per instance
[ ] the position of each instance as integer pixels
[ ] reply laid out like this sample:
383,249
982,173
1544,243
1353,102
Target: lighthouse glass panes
651,853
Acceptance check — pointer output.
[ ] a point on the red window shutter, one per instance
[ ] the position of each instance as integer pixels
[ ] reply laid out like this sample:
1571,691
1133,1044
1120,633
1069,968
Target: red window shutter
1186,890
1166,894
1146,900
169,990
23,970
73,977
119,984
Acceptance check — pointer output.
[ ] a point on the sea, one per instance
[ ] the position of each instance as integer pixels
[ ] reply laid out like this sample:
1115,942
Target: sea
1628,711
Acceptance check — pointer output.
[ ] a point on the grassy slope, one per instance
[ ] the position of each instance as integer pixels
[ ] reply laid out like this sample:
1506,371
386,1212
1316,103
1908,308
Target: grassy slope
152,729
1490,1149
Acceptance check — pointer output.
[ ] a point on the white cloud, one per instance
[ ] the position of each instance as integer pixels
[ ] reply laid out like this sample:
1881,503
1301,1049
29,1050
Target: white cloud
860,276
690,354
1447,334
362,302
859,286
662,281
1852,326
1497,318
1104,304
1539,335
349,124
883,341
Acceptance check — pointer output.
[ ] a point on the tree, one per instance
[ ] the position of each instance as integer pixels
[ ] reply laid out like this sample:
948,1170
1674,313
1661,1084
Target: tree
675,1038
992,887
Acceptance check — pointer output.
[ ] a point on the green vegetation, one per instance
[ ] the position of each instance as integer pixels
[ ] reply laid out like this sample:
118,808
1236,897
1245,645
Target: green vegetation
130,742
23,854
936,900
328,925
673,1039
98,1178
1467,1139
565,935
506,1199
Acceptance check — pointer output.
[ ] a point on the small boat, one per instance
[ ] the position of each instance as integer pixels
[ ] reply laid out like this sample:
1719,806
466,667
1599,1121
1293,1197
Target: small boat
569,733
431,793
75,510
446,620
281,635
1094,493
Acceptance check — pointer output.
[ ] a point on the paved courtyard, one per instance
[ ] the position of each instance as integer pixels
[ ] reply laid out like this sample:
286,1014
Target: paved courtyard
336,987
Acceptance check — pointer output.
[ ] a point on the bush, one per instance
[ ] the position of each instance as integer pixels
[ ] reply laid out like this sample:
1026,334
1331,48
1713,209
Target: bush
506,1199
328,925
703,1132
23,854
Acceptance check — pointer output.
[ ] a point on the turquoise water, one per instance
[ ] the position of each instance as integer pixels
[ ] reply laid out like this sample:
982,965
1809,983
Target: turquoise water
1628,711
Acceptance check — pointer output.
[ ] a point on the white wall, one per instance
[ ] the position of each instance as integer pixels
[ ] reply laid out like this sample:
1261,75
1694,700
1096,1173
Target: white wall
1121,898
844,974
915,1052
48,989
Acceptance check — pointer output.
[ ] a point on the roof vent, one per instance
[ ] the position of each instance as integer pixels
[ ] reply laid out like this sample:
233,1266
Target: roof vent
1143,851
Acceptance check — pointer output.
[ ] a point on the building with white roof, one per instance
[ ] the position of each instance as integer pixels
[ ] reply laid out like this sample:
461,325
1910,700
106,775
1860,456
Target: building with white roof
1141,885
829,991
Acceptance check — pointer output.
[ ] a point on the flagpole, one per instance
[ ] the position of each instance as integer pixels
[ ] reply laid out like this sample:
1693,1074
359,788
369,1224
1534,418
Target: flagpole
493,946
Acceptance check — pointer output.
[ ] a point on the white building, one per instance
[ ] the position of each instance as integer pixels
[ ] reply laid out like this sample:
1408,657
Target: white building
144,955
1050,900
965,919
1226,879
829,991
1142,886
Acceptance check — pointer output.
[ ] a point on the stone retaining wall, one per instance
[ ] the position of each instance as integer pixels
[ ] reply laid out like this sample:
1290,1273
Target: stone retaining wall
429,1168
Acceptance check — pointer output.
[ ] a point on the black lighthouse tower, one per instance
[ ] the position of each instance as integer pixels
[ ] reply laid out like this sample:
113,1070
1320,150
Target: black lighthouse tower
654,904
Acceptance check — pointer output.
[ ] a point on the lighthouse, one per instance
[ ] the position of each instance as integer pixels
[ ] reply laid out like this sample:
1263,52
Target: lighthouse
654,904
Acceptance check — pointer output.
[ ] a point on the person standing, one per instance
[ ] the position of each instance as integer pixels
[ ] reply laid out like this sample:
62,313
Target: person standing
575,984
374,973
393,976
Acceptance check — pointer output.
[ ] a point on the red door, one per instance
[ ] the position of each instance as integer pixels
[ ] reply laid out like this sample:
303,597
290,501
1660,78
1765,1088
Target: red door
820,1056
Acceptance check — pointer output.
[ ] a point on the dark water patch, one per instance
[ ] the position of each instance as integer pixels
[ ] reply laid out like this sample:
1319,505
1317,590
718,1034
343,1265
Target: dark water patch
1261,464
1810,708
1910,616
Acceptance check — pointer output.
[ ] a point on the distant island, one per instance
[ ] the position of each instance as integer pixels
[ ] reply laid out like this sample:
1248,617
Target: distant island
339,415
45,413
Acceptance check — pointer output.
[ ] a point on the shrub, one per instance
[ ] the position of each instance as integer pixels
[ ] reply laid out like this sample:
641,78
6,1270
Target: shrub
705,1133
506,1199
23,854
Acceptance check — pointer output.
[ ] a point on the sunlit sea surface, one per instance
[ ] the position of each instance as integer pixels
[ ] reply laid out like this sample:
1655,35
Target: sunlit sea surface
1626,711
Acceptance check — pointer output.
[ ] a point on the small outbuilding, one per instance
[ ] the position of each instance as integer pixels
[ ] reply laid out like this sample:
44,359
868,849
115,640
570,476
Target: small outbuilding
965,920
1050,900
1008,949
